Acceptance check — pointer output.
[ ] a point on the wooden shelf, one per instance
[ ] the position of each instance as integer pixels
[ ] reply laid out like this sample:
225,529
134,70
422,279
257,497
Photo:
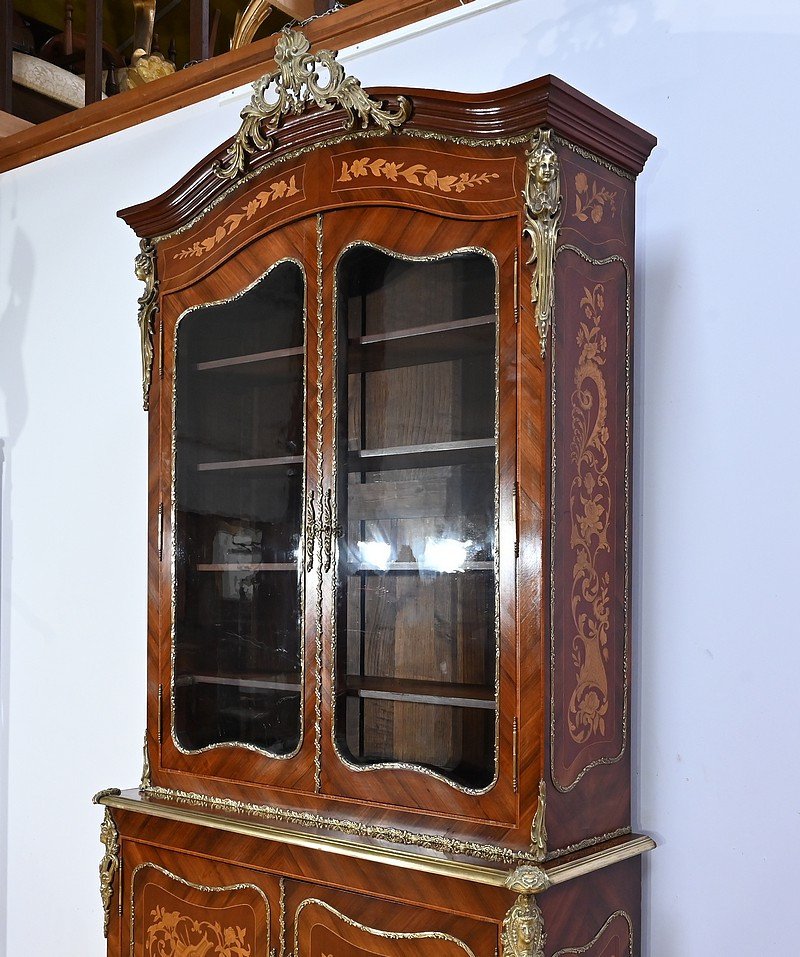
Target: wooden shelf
427,455
419,345
249,567
412,691
245,363
279,682
276,462
416,567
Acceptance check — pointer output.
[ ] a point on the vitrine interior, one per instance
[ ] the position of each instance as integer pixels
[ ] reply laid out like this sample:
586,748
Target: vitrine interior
389,650
416,626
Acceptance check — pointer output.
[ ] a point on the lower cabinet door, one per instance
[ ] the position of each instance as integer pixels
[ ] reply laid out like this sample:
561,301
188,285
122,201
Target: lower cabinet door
328,923
173,916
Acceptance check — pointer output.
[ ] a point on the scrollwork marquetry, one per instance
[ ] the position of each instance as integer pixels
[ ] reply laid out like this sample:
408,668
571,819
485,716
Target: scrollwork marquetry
416,174
145,267
539,825
542,216
590,508
295,86
523,926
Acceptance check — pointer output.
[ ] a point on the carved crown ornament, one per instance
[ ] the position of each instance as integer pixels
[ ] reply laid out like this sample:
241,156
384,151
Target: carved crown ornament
291,89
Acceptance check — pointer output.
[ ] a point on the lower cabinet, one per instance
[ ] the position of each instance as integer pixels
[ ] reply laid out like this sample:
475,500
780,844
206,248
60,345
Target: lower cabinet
230,889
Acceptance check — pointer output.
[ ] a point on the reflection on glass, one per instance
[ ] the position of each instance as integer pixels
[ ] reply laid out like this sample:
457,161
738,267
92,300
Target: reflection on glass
416,632
238,500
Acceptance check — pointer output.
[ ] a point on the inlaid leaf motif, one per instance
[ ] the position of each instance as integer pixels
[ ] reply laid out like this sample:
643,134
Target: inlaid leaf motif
279,190
396,172
172,934
591,203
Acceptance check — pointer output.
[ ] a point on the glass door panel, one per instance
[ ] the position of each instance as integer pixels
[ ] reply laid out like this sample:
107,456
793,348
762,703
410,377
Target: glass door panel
416,613
239,474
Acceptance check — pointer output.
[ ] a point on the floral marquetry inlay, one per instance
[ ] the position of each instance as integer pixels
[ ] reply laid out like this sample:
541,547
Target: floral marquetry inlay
590,508
276,193
414,174
591,203
172,934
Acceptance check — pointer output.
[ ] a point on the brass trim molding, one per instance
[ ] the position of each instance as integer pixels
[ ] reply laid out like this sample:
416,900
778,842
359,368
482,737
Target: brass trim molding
599,934
405,765
539,824
587,154
201,807
589,842
174,510
385,934
613,759
295,85
145,268
286,816
542,217
319,620
205,888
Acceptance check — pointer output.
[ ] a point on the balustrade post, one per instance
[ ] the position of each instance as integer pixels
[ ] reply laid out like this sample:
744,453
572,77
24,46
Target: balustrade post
94,50
6,20
198,30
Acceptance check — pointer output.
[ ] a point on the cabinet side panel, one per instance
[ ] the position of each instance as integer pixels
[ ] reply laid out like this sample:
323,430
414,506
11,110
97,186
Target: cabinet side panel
590,642
597,916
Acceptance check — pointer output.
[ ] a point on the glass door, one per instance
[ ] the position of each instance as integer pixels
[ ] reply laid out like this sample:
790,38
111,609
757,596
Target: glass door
416,611
237,663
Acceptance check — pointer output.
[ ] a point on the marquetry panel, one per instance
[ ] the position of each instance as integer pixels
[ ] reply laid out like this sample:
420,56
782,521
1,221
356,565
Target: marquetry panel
590,521
174,917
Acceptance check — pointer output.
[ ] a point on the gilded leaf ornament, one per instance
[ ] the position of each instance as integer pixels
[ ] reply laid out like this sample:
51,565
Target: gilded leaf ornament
590,508
542,216
539,825
145,267
291,90
109,837
172,934
276,192
416,174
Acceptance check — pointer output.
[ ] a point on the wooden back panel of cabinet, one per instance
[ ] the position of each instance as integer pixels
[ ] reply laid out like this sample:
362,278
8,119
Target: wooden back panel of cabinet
462,163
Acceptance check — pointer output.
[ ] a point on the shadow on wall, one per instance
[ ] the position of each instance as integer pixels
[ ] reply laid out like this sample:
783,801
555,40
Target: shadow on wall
13,415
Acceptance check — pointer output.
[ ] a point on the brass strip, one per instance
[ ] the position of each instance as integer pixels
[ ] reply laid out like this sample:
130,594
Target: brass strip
160,530
320,476
396,857
161,350
516,286
160,710
515,757
589,842
599,934
586,154
386,934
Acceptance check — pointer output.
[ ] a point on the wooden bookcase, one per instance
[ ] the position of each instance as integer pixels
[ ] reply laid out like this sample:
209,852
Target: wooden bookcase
386,347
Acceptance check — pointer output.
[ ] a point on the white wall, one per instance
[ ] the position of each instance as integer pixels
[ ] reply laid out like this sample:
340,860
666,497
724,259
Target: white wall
717,777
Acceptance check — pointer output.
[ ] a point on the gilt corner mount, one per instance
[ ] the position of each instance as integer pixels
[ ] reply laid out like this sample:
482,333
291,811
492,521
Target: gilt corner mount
295,85
542,216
